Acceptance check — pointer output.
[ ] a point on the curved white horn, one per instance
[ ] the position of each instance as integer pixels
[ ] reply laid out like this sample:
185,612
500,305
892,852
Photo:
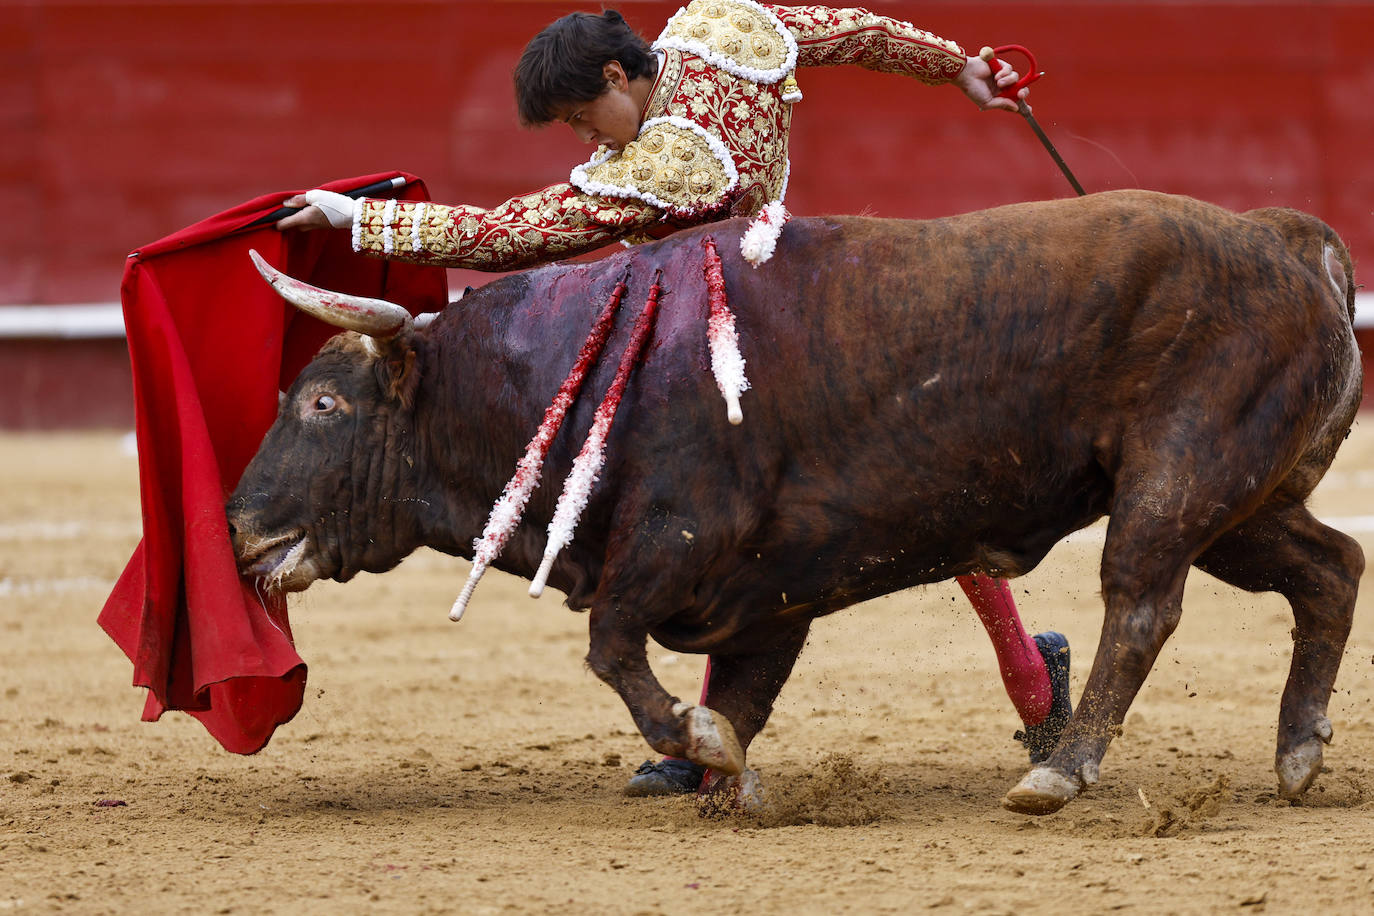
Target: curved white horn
375,317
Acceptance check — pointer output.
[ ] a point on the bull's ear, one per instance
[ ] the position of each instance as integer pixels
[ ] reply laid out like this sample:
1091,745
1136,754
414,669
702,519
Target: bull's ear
396,371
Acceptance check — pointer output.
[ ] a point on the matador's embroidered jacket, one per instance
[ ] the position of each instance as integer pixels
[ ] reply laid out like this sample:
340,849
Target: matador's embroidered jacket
712,140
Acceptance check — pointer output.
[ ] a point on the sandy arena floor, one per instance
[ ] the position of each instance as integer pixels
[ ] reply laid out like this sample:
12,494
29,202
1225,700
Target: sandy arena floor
477,767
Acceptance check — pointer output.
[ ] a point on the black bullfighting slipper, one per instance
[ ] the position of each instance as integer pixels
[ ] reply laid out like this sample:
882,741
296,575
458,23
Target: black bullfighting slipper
1041,737
669,776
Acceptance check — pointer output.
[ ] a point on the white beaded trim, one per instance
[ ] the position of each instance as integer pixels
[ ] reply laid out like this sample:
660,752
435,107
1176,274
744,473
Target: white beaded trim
358,224
579,173
729,65
388,233
579,179
417,218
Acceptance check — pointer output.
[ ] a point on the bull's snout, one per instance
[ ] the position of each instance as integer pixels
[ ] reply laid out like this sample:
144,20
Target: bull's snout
275,554
240,517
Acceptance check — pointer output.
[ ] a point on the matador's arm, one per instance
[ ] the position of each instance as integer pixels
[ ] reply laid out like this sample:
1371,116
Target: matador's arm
827,37
558,222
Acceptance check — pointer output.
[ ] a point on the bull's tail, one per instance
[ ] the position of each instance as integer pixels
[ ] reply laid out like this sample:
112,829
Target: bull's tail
1316,245
1320,250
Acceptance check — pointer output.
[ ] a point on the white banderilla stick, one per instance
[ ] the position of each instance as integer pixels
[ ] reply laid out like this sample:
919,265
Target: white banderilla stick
726,361
506,513
578,487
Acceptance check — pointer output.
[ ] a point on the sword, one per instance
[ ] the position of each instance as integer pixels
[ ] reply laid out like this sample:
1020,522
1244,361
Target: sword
990,56
371,190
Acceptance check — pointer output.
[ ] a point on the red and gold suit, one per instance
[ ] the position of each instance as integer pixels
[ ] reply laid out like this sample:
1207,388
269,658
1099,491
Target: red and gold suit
712,141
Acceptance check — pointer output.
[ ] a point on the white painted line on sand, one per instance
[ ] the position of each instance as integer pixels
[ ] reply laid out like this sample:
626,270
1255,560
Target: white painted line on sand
1348,524
27,588
67,531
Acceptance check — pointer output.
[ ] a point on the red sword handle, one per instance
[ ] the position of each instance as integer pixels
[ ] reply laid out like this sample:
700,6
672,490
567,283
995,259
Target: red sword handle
1032,72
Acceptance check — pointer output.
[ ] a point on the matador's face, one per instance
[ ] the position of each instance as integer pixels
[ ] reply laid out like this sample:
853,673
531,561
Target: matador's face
613,117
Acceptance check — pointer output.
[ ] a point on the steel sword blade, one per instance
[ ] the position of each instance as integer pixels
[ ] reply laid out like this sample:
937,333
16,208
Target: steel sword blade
989,55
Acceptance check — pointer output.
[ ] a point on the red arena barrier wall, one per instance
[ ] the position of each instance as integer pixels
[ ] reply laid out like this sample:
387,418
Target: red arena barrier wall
126,121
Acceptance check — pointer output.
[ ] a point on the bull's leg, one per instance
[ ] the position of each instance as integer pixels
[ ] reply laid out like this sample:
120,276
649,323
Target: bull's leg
673,728
1163,514
743,688
1143,605
1284,549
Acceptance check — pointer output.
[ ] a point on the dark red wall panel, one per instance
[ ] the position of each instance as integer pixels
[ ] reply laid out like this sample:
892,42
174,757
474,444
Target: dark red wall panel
123,121
126,121
65,384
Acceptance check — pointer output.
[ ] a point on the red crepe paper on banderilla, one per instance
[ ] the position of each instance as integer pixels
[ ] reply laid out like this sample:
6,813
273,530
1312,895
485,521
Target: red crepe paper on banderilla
210,345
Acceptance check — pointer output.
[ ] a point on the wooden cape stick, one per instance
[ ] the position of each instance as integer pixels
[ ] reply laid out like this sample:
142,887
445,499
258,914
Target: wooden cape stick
367,190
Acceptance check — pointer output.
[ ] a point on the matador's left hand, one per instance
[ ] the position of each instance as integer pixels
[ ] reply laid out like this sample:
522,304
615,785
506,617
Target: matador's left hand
319,210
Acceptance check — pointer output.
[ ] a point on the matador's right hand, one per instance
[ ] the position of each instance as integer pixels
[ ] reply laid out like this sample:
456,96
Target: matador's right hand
981,84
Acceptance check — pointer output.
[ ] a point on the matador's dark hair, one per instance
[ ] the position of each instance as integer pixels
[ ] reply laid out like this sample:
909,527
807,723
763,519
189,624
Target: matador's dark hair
564,62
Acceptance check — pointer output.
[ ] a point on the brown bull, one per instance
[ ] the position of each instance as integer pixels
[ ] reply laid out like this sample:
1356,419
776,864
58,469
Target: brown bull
929,399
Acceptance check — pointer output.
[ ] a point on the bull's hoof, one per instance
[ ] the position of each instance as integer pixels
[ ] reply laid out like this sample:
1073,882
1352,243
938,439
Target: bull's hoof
1298,768
1044,790
711,739
724,795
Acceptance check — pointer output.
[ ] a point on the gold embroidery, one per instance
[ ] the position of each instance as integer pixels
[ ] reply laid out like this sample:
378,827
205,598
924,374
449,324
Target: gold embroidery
675,165
669,183
744,34
666,85
668,163
826,37
700,182
747,118
532,229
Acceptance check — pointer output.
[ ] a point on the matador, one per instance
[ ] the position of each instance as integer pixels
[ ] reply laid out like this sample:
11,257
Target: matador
691,130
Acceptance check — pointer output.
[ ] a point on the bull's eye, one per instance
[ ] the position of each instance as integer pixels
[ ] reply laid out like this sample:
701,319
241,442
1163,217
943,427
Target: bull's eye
324,403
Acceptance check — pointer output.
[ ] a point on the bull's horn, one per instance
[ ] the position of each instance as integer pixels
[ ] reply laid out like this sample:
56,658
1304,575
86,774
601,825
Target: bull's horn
375,317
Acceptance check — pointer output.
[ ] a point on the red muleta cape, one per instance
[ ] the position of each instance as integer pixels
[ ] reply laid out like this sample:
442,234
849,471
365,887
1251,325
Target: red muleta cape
211,343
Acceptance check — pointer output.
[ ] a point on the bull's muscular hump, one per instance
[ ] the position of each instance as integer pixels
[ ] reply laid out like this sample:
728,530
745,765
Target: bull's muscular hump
928,399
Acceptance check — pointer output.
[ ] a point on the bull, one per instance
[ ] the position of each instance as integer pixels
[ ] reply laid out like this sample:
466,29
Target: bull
930,398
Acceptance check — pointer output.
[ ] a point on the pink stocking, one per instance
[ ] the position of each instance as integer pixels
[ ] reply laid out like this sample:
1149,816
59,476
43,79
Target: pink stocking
705,682
1023,669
